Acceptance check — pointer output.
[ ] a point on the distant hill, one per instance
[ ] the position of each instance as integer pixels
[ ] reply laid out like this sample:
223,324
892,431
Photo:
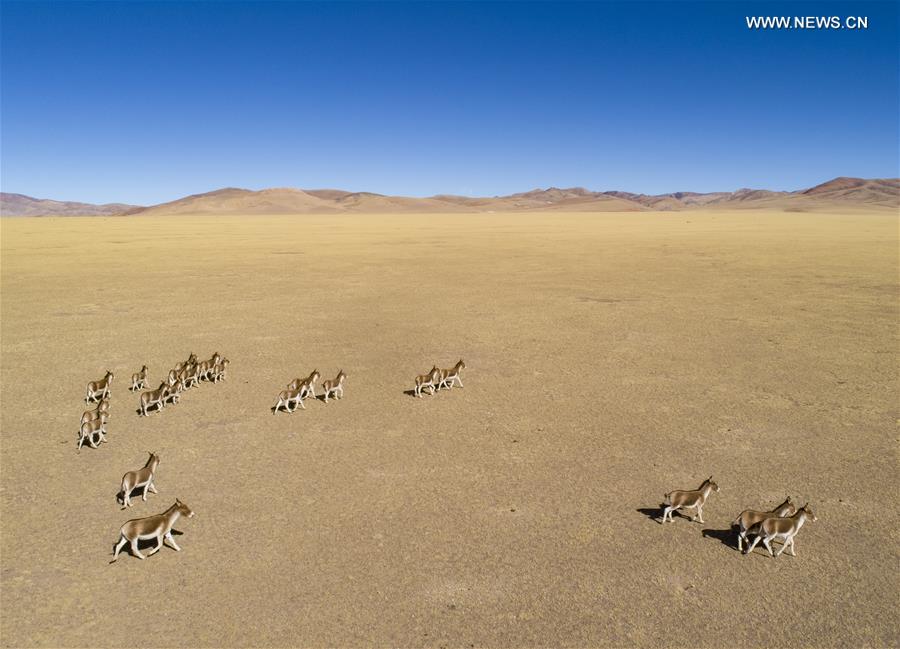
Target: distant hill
573,199
839,193
878,191
245,201
21,205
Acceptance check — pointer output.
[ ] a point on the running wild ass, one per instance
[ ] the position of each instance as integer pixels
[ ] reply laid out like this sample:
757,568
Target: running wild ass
139,379
91,429
206,367
192,359
689,500
219,372
450,376
287,397
427,380
102,407
141,478
157,527
781,528
749,517
307,386
335,387
155,398
97,390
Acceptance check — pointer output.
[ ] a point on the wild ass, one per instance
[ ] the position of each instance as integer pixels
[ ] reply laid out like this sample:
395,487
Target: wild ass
286,398
155,397
141,478
157,527
689,500
97,390
139,379
450,376
91,429
220,370
189,375
192,359
784,528
427,380
206,367
203,370
173,393
335,387
749,517
102,407
307,386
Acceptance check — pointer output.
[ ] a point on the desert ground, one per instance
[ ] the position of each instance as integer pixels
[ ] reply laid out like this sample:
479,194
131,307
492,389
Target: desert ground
610,358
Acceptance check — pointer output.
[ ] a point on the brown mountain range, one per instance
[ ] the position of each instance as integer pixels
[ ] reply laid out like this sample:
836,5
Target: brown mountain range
839,193
21,205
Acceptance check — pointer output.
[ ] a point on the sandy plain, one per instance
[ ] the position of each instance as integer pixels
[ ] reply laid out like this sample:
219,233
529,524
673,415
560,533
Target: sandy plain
611,358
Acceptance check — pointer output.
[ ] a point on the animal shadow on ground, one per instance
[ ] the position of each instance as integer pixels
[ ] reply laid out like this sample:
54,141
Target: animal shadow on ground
655,513
727,537
136,495
412,393
284,411
152,410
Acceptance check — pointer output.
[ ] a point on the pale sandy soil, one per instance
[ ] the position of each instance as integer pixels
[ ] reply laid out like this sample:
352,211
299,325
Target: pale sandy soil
611,358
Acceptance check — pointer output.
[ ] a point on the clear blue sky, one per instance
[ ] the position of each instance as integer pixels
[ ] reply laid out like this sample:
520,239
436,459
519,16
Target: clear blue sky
147,102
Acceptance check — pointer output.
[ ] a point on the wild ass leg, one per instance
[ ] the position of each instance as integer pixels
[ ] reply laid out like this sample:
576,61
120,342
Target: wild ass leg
119,546
172,542
753,544
667,512
134,549
159,544
783,546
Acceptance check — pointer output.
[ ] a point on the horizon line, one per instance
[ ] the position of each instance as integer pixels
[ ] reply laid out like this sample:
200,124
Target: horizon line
461,195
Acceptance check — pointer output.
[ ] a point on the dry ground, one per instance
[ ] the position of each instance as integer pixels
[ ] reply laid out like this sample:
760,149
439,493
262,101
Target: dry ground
611,358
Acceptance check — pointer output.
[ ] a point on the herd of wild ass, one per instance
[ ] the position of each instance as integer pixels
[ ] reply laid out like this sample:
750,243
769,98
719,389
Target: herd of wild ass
781,523
184,375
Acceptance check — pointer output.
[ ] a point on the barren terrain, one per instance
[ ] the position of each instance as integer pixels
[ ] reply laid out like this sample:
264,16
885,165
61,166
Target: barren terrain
611,358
